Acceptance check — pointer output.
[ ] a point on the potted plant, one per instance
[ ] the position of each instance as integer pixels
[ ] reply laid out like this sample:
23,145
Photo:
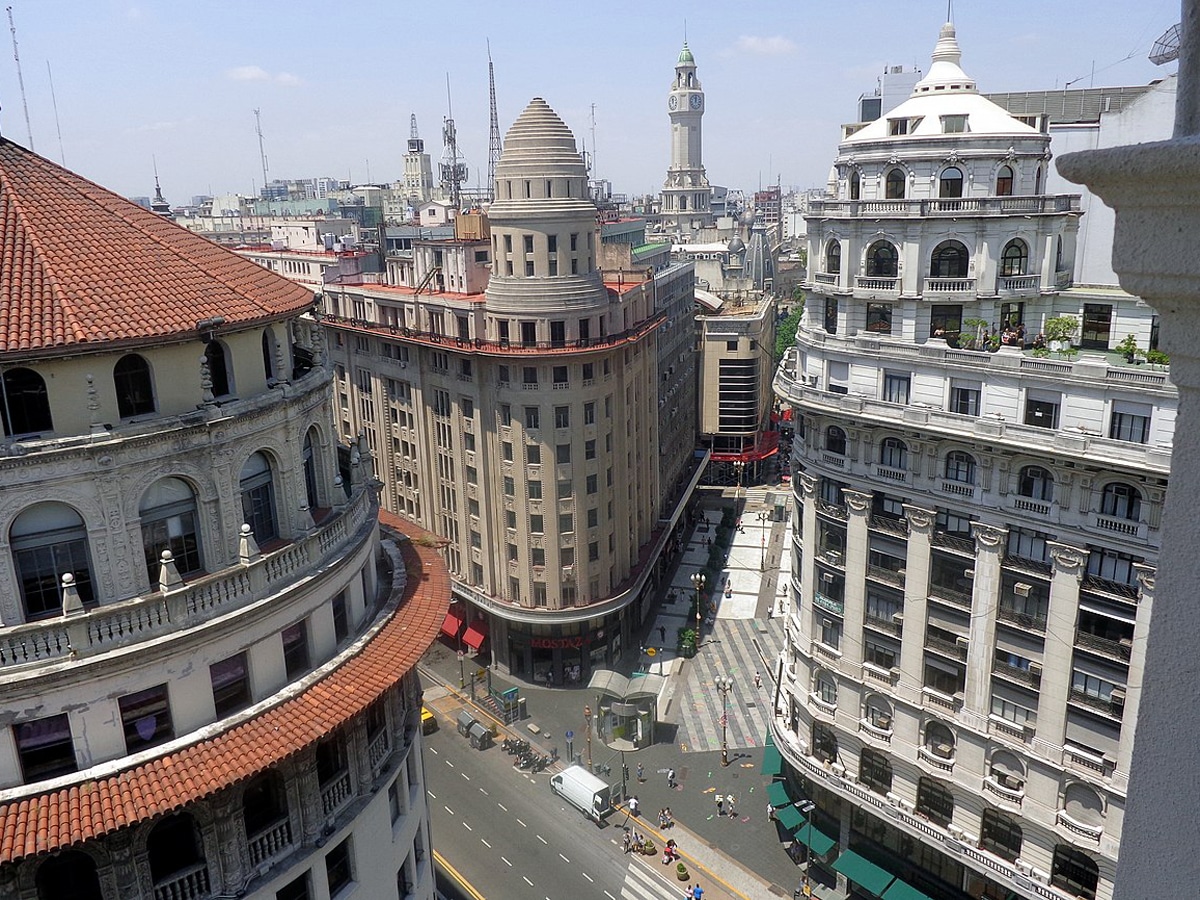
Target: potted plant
681,872
1059,331
1129,349
1157,358
972,341
687,642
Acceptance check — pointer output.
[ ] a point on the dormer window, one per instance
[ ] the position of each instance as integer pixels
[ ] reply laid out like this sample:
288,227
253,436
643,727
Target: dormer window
954,124
897,126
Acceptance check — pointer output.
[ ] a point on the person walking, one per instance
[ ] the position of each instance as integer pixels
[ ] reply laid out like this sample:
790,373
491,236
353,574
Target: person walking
671,778
662,633
697,892
641,776
729,804
758,679
720,805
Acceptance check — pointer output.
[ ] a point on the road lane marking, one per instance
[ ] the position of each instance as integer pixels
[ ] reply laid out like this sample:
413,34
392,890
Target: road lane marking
431,750
485,793
468,827
527,881
563,858
506,862
543,840
432,795
448,809
587,876
609,896
451,765
502,806
465,775
522,824
485,843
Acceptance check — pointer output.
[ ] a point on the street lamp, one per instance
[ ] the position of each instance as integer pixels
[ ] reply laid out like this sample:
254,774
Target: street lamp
763,518
462,677
739,467
698,580
587,724
806,807
724,685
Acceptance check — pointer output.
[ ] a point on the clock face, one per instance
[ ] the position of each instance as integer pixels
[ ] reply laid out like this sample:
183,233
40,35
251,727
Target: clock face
673,102
696,101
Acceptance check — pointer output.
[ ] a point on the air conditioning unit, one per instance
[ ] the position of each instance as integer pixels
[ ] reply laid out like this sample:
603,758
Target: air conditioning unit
968,573
834,557
894,671
825,623
826,578
943,750
961,642
1021,589
884,722
1035,669
1023,867
1118,697
898,618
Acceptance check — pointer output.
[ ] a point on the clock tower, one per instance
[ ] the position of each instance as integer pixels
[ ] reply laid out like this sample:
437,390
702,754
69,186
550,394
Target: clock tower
686,192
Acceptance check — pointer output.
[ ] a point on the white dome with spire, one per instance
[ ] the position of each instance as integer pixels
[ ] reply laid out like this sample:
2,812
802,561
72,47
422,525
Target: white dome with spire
947,91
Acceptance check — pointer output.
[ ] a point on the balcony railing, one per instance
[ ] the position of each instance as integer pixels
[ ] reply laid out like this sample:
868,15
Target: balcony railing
1024,504
945,763
887,473
1120,649
1099,704
379,749
1028,566
950,595
887,576
947,648
186,884
937,698
1111,588
874,285
949,286
157,615
1119,526
1018,285
1024,620
897,527
335,793
1092,832
951,542
835,510
270,842
888,624
1009,794
958,488
1016,673
945,206
825,277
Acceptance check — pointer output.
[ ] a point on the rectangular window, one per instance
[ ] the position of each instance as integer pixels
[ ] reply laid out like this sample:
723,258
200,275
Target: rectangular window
146,718
1130,422
295,890
505,415
1041,413
509,486
529,375
558,334
589,449
562,454
945,321
594,551
831,315
230,685
537,525
964,399
533,417
954,124
562,417
535,489
295,649
472,475
560,375
897,127
529,333
505,375
565,488
831,633
565,524
338,867
593,517
469,442
589,414
593,484
341,621
574,242
45,748
510,518
896,387
538,556
879,318
506,451
512,552
533,454
528,243
878,654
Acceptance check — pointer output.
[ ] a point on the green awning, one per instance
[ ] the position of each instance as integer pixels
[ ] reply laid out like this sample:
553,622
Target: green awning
772,764
770,739
902,890
778,795
789,817
818,841
863,872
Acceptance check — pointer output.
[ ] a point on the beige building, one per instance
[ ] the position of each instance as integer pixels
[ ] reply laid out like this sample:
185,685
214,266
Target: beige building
192,569
521,417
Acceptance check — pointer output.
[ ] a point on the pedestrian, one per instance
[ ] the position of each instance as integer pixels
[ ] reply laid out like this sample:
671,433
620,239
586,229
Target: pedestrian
662,633
671,778
720,805
634,805
770,811
628,841
697,892
687,893
729,803
758,679
641,773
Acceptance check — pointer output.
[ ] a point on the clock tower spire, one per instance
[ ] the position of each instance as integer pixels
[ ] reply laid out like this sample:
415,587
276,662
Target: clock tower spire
686,192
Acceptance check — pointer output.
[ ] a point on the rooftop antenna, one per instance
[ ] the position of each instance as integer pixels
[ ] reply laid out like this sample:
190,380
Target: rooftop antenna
1166,48
61,153
494,130
262,153
453,173
20,80
593,159
413,136
949,10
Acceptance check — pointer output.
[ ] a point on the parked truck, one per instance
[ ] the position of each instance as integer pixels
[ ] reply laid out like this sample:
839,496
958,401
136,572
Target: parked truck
583,790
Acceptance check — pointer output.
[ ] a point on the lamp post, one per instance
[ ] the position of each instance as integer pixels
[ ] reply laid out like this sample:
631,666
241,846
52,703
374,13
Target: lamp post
763,518
739,467
698,580
806,807
587,725
462,677
724,685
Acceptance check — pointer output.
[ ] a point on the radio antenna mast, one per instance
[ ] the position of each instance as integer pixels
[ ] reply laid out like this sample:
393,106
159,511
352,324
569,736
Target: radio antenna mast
494,132
62,155
20,80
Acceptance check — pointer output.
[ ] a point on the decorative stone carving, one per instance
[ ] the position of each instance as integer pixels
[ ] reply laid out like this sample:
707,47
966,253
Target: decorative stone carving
168,573
1145,577
206,383
857,501
1070,560
989,537
919,520
247,546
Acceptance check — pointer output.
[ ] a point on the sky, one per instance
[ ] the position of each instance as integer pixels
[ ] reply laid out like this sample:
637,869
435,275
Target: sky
176,83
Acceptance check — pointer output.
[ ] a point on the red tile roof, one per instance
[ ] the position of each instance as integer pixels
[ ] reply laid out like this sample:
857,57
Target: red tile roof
80,265
43,823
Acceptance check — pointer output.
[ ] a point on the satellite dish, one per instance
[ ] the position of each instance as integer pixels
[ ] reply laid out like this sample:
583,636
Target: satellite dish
1166,48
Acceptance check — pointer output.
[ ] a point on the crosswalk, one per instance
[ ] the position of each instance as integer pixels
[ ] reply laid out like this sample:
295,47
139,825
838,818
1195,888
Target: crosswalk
643,884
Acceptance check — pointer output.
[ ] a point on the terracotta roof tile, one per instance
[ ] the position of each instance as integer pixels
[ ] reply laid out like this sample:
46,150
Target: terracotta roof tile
43,823
79,264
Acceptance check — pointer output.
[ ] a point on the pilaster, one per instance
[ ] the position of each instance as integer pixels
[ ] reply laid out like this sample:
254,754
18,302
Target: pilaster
1137,670
858,508
1061,611
985,598
916,602
802,605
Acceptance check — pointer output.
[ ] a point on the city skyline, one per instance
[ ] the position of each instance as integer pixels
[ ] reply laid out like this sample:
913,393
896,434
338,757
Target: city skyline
327,111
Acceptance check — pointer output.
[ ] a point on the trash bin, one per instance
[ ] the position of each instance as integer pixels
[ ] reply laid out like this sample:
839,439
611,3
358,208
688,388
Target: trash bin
465,721
480,737
522,712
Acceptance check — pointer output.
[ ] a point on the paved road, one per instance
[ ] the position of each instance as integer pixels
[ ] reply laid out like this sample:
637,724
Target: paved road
509,837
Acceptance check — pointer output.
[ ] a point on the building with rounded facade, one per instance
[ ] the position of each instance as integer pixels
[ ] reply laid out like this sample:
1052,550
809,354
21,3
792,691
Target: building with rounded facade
207,655
978,512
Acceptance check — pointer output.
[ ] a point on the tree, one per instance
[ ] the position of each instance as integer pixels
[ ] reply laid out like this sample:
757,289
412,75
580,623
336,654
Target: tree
785,331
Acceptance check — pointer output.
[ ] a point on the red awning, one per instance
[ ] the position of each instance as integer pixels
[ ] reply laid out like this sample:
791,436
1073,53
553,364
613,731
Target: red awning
476,634
451,625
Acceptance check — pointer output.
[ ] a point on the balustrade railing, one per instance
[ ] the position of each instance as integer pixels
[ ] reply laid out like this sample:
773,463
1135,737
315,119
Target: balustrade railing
335,793
378,749
1016,673
186,884
950,595
891,526
269,842
887,576
1025,620
1120,649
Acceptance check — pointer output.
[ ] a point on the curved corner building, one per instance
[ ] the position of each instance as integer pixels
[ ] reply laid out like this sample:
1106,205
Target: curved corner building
207,657
977,517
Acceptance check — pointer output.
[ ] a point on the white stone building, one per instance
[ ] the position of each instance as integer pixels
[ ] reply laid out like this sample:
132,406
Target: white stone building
976,532
206,655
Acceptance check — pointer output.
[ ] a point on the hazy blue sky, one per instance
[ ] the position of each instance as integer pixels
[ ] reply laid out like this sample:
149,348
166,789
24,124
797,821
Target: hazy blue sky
336,81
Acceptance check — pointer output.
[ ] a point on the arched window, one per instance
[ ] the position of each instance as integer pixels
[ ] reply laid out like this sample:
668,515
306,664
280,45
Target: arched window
311,492
939,740
855,185
264,805
935,801
878,712
70,875
1058,254
950,185
1006,770
682,202
1037,181
135,392
882,260
893,453
833,257
835,440
960,467
268,352
168,512
875,770
949,260
257,488
824,742
1015,259
1036,483
1075,872
49,540
1004,182
1001,835
825,687
1121,501
26,407
894,185
173,846
218,369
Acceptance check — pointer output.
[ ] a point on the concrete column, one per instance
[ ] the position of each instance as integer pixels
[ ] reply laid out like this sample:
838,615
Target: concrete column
227,854
916,603
858,506
1069,564
985,597
1155,190
1137,669
802,605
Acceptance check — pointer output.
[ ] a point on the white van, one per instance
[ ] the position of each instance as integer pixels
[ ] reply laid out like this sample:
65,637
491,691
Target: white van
583,790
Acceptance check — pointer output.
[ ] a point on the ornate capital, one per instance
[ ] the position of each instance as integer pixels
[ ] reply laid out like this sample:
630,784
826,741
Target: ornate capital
1145,577
919,520
808,486
988,537
857,501
1068,559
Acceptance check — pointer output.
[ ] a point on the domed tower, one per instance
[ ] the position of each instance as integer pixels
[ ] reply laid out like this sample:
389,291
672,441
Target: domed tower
979,495
686,191
192,568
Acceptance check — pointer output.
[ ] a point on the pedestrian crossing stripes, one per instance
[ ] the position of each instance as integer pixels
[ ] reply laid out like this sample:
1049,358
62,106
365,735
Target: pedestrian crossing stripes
643,884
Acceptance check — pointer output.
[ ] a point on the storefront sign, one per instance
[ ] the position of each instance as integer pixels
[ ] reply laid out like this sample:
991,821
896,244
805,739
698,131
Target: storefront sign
553,643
